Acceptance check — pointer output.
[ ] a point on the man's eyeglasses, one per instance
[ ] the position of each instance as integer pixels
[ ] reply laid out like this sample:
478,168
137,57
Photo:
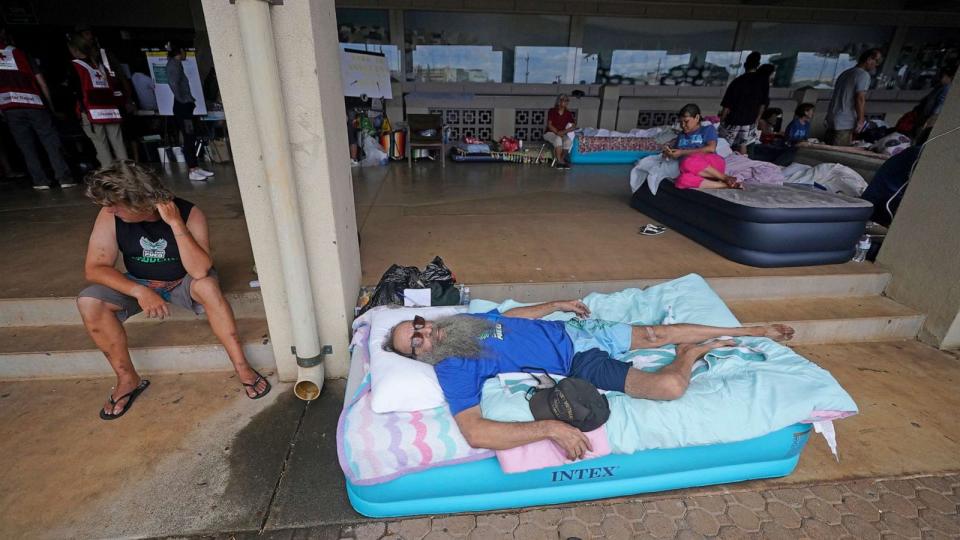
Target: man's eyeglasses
416,340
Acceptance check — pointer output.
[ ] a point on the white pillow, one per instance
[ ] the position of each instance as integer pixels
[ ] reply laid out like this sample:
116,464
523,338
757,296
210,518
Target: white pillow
398,383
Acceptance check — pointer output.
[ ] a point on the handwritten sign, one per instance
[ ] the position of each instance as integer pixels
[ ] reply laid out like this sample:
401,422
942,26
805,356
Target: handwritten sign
365,73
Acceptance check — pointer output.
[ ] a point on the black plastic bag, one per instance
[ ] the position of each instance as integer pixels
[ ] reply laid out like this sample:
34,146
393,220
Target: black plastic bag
436,277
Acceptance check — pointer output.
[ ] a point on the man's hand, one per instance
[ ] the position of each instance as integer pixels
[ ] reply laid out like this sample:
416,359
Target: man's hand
570,439
860,124
151,303
575,306
170,214
700,349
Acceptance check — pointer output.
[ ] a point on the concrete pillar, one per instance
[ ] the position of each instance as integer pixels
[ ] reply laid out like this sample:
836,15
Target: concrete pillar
201,40
893,53
740,38
397,38
576,31
922,249
609,103
307,51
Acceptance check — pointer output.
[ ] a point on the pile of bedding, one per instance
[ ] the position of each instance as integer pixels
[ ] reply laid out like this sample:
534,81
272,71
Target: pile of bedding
832,177
737,394
472,148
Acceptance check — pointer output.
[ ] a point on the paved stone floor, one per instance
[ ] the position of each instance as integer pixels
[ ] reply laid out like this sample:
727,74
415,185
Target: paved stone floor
918,507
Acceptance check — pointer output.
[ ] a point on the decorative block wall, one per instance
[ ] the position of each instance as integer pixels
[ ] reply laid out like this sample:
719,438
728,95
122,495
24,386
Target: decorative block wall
467,122
650,119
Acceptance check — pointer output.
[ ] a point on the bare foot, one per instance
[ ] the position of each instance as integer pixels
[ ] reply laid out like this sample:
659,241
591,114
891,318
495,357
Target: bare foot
732,182
122,388
247,376
778,332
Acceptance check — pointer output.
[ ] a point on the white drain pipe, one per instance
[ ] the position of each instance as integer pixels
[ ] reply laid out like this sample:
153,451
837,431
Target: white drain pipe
260,56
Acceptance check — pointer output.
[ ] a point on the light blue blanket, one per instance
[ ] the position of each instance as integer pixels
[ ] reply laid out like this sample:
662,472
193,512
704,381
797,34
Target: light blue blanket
739,393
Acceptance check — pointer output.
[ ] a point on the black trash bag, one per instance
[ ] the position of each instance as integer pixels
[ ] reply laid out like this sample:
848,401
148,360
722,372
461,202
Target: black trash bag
442,283
436,277
391,285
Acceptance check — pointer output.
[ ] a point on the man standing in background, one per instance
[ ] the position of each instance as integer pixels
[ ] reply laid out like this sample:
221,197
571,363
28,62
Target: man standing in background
743,103
847,112
183,106
21,85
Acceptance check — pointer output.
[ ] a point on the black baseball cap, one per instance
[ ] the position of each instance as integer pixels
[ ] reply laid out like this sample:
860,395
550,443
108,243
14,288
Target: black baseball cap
574,401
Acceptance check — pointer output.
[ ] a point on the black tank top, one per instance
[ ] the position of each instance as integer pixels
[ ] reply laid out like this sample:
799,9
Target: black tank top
149,248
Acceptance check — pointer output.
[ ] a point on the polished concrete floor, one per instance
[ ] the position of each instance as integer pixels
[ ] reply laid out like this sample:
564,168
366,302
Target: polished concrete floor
492,223
510,223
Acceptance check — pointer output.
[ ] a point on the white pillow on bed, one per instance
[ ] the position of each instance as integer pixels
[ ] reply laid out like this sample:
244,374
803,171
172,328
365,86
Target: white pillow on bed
398,383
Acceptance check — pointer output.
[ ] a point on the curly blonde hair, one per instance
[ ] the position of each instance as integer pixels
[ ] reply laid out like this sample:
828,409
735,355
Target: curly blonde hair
129,184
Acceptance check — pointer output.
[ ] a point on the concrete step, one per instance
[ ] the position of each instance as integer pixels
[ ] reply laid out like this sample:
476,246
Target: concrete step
870,282
63,310
834,320
63,351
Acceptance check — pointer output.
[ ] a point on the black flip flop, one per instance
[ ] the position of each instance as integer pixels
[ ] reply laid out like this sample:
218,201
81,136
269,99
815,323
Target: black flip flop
144,383
253,385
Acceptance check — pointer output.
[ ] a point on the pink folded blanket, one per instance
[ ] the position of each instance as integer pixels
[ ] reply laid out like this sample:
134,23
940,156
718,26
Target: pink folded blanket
545,453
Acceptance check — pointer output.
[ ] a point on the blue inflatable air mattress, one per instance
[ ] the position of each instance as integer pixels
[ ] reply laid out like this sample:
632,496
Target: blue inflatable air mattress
481,485
763,226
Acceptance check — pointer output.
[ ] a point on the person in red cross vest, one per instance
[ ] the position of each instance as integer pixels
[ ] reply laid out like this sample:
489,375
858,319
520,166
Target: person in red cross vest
99,101
22,93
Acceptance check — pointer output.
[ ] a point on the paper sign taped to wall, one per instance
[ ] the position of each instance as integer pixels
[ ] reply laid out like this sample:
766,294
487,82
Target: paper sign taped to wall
365,74
157,61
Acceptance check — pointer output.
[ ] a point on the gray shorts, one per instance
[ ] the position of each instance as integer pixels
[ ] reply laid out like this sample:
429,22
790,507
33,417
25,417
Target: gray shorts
129,306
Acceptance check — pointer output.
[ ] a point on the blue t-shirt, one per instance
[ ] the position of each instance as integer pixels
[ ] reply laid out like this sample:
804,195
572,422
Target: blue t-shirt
698,139
797,131
512,345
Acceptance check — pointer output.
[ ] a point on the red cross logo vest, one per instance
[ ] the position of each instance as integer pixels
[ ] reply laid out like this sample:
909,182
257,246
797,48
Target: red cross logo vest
100,94
18,83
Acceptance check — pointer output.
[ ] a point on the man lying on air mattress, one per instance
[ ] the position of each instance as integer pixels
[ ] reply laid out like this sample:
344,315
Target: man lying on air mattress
468,349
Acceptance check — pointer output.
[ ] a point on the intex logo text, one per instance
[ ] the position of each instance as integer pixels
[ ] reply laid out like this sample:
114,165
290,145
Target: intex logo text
581,474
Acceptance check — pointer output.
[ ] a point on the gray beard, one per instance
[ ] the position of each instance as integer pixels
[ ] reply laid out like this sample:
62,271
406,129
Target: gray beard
461,338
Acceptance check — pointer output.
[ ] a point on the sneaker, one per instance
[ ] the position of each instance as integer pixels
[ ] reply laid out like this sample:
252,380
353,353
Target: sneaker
68,184
197,176
354,163
204,172
41,188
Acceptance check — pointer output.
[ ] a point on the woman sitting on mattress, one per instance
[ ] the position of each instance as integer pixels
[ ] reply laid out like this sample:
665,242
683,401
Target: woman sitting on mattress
700,166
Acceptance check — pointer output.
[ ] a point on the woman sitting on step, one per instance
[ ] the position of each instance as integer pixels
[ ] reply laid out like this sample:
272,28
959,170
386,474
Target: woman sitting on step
165,245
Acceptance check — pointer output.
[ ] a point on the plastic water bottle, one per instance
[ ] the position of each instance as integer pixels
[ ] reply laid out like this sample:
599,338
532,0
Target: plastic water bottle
465,296
863,246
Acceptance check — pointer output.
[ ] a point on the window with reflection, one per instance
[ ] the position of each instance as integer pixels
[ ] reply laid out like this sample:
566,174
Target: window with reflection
659,51
553,65
813,54
363,25
457,63
368,30
924,52
481,47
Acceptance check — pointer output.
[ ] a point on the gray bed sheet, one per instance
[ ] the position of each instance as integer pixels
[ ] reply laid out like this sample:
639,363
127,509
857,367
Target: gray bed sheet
786,196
